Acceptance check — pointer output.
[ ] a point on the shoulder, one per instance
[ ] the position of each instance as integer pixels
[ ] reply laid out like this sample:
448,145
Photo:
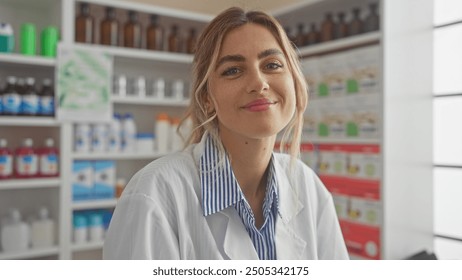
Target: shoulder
297,167
301,178
177,170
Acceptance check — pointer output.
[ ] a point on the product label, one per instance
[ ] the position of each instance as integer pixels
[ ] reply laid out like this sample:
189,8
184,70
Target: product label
49,164
11,103
46,105
27,165
6,165
29,104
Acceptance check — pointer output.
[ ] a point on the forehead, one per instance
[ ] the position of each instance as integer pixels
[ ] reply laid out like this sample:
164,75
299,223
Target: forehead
248,39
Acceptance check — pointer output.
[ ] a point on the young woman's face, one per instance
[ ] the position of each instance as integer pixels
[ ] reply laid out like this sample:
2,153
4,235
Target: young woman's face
252,89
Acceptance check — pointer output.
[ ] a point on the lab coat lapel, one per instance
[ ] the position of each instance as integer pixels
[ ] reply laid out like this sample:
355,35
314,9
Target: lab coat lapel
231,236
289,245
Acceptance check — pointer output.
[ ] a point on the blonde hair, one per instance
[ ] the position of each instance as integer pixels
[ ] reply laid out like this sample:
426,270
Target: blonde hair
205,59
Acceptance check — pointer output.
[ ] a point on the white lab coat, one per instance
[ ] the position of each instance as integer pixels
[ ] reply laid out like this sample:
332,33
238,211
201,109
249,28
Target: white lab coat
159,216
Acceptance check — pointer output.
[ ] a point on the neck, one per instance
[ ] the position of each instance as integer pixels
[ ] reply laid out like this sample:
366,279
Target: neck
249,159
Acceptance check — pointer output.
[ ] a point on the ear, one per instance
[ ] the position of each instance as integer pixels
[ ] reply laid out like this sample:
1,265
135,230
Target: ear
209,104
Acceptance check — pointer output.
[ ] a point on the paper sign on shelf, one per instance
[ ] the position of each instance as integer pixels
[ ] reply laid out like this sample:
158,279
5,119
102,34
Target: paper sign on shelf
83,84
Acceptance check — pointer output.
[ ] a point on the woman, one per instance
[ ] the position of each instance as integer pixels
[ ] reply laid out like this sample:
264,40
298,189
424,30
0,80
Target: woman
227,195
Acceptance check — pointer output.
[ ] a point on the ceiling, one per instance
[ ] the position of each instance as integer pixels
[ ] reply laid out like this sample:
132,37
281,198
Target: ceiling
213,7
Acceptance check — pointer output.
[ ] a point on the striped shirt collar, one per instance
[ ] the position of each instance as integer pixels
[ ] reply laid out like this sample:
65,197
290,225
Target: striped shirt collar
219,186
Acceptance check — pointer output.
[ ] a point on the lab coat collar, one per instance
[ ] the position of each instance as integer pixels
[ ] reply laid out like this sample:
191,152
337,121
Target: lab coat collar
236,241
289,245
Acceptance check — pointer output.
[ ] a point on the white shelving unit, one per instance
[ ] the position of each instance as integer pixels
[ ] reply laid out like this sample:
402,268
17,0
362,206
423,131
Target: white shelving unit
405,109
11,58
15,184
131,62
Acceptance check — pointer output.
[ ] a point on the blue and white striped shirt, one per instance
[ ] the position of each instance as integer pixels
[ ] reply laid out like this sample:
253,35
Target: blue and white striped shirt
221,190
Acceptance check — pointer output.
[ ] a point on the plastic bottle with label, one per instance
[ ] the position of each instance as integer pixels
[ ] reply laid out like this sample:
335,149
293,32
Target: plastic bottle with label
84,23
154,35
48,159
120,186
109,29
26,160
82,139
11,98
30,99
15,234
43,230
46,99
6,160
128,133
114,134
80,223
163,132
95,227
132,31
99,138
6,37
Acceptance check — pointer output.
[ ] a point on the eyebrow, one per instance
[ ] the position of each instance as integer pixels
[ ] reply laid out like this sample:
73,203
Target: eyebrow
240,58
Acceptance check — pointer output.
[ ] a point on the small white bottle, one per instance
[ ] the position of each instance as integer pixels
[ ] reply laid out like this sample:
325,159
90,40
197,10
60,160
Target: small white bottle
43,230
128,134
82,137
114,134
15,233
176,140
162,132
99,138
96,228
80,228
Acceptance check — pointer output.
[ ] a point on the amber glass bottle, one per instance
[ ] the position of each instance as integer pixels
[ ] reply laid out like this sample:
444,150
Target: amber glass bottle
174,42
132,31
327,28
301,36
356,25
154,35
313,35
191,41
372,21
109,29
84,23
341,27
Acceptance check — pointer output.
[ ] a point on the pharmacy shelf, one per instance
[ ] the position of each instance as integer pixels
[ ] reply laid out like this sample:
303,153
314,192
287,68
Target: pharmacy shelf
87,246
148,8
94,204
149,101
119,156
34,183
345,141
140,54
30,253
28,121
340,44
12,58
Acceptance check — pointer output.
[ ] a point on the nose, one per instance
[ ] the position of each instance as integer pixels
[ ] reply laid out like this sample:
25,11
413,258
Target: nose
257,82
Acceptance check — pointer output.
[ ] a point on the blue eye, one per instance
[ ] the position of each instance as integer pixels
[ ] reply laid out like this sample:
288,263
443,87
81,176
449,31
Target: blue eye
273,65
230,71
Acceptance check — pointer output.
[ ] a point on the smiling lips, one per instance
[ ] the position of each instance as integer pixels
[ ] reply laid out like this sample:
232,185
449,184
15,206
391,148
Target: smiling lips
259,105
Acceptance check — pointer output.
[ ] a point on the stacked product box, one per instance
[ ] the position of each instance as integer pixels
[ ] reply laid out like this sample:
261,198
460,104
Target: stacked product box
93,180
